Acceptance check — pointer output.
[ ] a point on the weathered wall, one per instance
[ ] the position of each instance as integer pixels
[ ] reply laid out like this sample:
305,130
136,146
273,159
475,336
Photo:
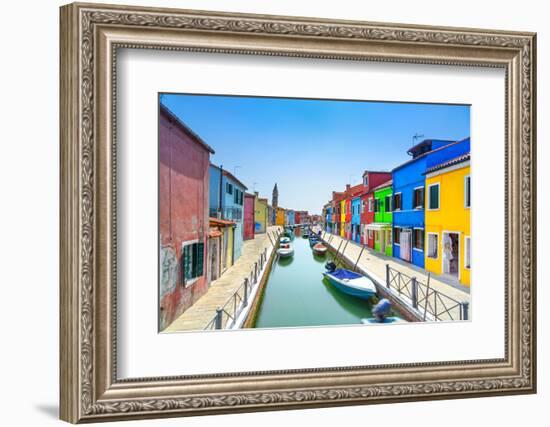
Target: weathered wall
183,214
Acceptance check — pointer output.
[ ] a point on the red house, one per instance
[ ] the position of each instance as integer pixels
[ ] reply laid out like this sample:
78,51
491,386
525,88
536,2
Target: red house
371,180
349,194
248,223
184,161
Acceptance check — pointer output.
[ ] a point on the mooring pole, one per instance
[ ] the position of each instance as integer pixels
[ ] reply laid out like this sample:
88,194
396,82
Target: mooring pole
358,258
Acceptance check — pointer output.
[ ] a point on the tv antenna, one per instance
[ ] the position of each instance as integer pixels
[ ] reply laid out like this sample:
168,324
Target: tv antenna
416,137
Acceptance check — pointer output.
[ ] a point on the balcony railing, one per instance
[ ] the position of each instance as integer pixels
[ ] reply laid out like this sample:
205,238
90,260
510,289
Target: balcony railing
232,213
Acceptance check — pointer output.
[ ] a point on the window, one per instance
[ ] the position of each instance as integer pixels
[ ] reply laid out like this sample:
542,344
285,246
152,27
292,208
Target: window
432,245
467,191
370,234
376,205
192,260
387,204
229,188
371,203
362,206
467,252
396,232
397,202
418,198
366,180
238,197
433,202
418,237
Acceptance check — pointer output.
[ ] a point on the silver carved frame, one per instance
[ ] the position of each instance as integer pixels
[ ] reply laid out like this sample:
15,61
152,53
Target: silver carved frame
90,36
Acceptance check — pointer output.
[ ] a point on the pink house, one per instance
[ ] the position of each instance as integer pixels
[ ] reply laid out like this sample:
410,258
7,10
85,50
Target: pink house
184,161
248,225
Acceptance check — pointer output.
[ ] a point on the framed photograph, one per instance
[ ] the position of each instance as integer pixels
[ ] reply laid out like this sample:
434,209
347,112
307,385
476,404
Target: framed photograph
266,213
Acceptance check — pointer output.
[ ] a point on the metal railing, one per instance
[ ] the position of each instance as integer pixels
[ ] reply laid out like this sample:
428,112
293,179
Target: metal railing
227,315
228,213
425,299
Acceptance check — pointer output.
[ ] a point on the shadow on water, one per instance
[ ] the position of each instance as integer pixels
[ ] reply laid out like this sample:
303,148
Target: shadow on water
284,262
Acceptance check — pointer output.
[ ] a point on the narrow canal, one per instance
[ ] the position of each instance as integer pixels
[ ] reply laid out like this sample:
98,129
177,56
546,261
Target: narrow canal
297,294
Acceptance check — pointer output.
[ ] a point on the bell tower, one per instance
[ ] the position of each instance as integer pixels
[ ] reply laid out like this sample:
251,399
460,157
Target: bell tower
275,198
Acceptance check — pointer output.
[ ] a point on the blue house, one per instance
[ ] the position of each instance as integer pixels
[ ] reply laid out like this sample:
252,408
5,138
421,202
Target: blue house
290,217
356,219
226,202
328,219
408,195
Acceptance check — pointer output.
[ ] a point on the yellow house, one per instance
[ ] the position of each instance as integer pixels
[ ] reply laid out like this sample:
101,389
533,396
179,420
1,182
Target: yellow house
260,215
447,219
280,217
343,218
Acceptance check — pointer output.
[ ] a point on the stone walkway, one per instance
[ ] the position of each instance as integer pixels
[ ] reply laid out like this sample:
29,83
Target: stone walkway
202,312
374,263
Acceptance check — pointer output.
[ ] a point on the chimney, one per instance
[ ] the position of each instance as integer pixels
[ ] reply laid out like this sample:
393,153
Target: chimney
348,186
256,194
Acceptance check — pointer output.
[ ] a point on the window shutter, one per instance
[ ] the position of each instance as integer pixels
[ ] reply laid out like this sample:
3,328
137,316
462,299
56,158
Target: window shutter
187,267
199,259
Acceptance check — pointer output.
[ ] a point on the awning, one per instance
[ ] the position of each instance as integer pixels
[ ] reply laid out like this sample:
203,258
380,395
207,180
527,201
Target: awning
378,226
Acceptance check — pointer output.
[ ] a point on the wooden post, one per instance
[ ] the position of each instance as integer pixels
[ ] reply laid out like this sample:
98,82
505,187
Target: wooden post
219,313
245,296
358,258
465,306
388,276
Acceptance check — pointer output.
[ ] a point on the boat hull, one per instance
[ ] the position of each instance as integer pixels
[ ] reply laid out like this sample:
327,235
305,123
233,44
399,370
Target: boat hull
349,289
285,253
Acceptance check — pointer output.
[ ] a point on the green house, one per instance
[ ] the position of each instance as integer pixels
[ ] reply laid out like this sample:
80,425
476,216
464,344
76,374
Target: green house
382,225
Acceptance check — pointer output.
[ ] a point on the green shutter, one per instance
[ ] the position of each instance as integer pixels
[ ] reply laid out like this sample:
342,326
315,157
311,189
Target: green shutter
199,259
186,264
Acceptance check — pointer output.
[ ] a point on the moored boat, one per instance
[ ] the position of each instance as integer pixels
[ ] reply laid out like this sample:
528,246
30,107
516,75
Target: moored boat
285,240
349,282
285,250
319,249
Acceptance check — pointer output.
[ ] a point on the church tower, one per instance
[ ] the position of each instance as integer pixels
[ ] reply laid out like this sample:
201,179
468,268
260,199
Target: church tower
275,199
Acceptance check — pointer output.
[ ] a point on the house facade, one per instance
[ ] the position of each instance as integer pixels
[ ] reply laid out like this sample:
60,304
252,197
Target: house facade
371,179
279,216
184,160
220,247
248,217
447,207
356,219
408,196
227,202
261,214
382,224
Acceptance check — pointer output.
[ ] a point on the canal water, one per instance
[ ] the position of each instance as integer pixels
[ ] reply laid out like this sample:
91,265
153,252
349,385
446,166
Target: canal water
297,294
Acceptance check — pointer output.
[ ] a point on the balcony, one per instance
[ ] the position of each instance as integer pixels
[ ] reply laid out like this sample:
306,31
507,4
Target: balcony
230,213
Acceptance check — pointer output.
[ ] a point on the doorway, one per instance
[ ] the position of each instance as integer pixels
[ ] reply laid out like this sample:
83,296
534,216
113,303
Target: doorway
451,253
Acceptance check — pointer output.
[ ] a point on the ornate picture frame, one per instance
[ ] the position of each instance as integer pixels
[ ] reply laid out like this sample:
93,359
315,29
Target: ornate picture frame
90,37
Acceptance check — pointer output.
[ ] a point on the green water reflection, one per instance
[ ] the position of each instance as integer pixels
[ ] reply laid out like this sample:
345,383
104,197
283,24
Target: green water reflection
296,294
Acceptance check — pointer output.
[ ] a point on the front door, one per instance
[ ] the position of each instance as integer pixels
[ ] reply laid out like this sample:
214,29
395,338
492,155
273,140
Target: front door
405,238
451,251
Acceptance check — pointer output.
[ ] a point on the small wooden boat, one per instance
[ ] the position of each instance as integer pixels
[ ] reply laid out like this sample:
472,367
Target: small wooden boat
285,250
319,249
349,282
313,240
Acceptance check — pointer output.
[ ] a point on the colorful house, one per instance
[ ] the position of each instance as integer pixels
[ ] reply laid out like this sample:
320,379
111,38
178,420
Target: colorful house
184,160
248,220
371,179
382,225
261,214
356,219
447,207
290,217
328,217
220,247
408,195
280,216
342,226
336,208
227,202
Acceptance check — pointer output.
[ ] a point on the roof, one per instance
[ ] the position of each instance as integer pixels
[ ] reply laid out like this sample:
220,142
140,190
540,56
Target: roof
369,171
425,142
230,175
383,185
455,161
217,221
172,117
426,153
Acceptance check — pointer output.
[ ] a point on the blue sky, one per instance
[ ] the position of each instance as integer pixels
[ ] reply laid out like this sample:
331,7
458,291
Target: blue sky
311,147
